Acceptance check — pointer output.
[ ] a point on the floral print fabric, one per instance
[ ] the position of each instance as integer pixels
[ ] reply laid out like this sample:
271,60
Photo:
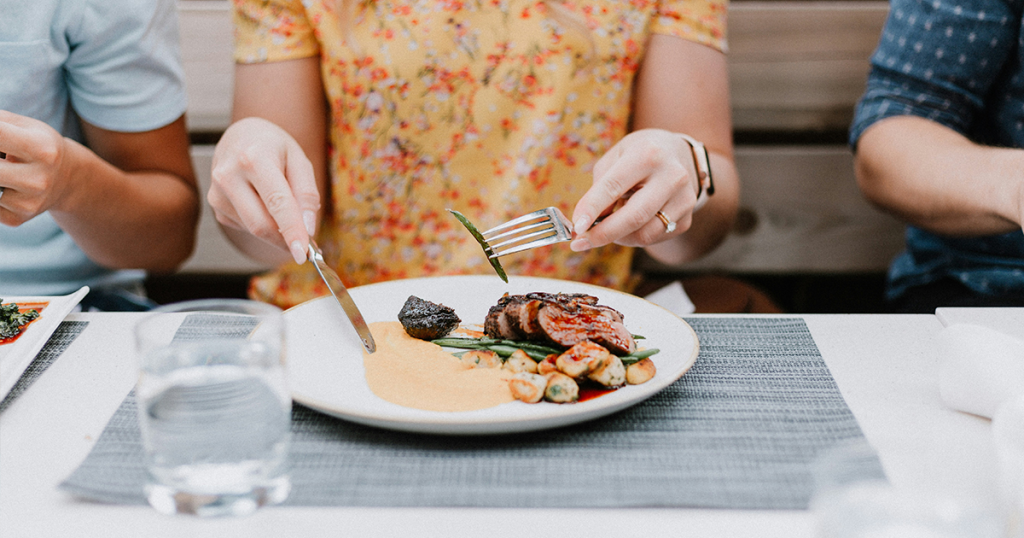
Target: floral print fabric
492,108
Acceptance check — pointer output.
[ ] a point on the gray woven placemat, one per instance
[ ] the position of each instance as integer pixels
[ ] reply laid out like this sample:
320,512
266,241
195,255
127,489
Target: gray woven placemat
61,338
738,431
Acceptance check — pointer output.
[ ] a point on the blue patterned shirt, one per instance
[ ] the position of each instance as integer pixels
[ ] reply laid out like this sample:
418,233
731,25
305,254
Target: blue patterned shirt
958,63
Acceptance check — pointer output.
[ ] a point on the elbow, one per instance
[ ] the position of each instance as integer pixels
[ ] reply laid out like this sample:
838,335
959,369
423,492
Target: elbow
174,258
183,246
174,244
870,181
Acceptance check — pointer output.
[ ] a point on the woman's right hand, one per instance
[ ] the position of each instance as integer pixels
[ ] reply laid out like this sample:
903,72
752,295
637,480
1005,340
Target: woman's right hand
263,185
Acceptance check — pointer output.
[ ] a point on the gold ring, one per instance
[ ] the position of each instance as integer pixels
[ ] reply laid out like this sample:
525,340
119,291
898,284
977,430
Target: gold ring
669,225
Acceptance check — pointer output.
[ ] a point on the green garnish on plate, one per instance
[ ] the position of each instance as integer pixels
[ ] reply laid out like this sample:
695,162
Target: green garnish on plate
483,243
12,320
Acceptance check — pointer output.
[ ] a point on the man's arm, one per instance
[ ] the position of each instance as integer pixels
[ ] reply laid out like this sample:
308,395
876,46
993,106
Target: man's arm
935,178
129,200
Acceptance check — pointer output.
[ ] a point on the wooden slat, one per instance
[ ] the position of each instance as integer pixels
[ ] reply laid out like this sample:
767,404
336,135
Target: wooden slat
800,65
808,217
206,50
768,31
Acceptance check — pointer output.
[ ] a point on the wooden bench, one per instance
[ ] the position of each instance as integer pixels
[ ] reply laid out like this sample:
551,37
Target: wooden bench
796,69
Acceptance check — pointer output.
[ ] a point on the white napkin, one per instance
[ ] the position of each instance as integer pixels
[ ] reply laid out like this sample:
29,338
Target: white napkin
979,368
672,298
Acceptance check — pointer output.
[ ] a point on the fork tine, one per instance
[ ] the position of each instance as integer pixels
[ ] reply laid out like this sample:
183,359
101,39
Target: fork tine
525,218
539,243
541,228
545,224
546,232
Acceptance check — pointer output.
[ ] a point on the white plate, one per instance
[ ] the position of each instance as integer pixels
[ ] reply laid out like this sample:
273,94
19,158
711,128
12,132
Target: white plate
16,356
325,363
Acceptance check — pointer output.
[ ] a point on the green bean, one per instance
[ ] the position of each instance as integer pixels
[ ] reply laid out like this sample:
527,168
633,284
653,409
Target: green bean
644,353
457,342
504,351
504,348
535,355
639,355
535,351
531,346
483,243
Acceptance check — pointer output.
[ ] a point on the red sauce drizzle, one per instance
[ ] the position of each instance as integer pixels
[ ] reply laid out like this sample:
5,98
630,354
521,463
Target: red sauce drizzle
589,393
25,307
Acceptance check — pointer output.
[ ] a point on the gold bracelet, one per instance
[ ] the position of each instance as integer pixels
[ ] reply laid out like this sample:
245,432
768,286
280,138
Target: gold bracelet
705,185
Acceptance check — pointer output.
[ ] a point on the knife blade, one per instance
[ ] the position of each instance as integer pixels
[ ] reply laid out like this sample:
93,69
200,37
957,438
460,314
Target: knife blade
333,282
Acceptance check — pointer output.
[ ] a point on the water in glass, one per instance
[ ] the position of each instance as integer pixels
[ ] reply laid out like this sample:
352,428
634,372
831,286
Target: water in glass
215,419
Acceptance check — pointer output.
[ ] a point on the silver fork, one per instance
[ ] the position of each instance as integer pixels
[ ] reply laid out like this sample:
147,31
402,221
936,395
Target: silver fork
541,228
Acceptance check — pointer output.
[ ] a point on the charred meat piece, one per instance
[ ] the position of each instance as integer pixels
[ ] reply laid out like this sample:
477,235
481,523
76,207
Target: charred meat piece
426,320
600,325
563,319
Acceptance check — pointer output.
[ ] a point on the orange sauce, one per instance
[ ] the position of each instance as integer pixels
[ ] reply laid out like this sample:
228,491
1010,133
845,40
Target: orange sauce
25,307
418,374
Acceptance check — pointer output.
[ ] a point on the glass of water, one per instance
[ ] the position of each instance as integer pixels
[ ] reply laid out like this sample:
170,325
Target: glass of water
214,409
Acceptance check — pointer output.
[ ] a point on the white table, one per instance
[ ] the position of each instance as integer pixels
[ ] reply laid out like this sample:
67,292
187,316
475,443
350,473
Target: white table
884,365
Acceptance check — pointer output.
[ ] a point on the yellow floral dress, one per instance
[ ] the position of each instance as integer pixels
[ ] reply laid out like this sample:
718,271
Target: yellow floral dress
493,108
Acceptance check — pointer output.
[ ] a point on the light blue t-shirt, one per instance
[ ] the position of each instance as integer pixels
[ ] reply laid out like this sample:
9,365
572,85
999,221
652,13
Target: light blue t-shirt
113,63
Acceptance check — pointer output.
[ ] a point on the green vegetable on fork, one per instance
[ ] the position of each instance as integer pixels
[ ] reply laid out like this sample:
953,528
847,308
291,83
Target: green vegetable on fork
483,244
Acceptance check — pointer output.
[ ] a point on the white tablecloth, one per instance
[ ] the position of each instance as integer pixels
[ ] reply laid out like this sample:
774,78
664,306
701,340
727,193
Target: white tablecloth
884,365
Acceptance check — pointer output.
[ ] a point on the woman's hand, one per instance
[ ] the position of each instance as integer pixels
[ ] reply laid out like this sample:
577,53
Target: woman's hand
33,172
648,171
263,185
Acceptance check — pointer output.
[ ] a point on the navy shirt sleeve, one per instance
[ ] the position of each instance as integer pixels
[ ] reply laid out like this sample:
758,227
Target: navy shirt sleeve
940,60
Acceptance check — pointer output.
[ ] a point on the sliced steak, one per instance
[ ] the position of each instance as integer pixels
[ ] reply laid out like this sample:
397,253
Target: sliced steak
562,319
496,324
568,327
521,314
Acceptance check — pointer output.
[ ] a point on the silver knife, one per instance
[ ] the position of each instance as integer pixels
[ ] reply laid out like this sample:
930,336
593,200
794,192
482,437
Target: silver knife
341,294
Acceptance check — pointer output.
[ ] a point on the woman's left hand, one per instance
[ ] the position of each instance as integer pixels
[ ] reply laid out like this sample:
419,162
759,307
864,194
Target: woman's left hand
648,171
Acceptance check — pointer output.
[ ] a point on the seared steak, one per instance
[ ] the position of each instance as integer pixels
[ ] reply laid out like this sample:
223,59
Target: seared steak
562,319
426,320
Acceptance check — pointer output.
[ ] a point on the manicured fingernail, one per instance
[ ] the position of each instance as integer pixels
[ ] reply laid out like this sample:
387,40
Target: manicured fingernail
298,252
309,219
580,244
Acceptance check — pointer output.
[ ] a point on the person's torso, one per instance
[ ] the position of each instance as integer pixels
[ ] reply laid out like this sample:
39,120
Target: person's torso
494,111
38,39
969,53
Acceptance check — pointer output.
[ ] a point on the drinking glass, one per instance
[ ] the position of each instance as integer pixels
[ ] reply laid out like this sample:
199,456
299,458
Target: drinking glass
214,410
1008,433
